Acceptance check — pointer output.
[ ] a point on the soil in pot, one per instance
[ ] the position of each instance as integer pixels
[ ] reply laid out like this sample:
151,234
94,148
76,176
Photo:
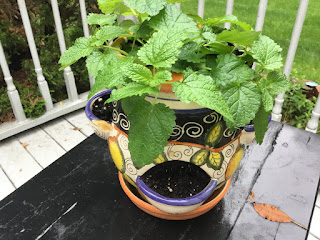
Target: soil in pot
176,179
101,110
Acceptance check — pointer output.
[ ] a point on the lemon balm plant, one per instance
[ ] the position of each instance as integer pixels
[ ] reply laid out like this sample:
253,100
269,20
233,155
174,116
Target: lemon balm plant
135,58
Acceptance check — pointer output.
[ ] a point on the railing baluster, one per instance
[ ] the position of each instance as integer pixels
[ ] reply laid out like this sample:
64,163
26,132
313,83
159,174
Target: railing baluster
85,27
261,14
229,9
313,123
12,91
42,83
67,72
201,4
301,14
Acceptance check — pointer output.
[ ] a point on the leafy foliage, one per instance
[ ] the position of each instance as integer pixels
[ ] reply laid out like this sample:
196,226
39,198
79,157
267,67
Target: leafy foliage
137,58
155,121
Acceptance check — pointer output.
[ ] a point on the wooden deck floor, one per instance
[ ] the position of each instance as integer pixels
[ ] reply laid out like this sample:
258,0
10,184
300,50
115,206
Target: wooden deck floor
24,155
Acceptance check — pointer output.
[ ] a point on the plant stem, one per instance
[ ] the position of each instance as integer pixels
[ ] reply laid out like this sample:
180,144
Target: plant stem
206,68
190,40
140,41
298,224
153,71
155,99
134,41
116,49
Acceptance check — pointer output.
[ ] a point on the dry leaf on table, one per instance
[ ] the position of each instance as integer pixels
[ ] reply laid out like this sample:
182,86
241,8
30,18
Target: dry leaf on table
76,129
273,213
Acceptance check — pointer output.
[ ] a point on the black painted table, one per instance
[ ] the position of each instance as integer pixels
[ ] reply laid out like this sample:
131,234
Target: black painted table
79,197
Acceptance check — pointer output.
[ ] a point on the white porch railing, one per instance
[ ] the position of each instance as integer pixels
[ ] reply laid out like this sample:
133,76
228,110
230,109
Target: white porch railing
76,101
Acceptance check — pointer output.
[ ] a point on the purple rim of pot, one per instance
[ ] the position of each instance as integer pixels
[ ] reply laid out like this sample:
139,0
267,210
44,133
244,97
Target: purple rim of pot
198,198
88,111
250,127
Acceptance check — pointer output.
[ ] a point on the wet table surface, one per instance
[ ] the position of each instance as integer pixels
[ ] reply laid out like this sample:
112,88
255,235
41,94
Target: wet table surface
79,197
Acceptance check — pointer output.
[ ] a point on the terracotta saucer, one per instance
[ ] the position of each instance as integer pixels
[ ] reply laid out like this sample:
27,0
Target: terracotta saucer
135,197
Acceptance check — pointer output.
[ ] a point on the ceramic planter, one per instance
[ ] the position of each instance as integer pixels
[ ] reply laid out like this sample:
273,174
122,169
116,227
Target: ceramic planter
200,137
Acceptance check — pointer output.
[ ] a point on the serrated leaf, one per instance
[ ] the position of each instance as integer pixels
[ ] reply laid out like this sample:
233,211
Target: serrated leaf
98,60
267,52
96,87
123,10
180,66
131,89
175,1
217,48
152,7
230,19
107,33
237,37
138,73
81,48
231,69
150,127
161,77
171,18
162,49
202,90
209,36
275,84
261,123
191,53
101,19
144,31
244,101
108,6
126,24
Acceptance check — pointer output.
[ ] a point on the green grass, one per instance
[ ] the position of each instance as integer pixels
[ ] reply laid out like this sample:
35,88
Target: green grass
279,21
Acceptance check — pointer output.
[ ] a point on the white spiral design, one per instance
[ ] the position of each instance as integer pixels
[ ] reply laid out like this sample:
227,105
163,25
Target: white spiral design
193,131
130,168
219,173
212,118
228,133
120,117
229,150
189,151
123,142
115,103
124,123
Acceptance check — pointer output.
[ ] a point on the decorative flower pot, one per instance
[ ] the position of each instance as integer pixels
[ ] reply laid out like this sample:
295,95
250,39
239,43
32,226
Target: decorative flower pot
200,137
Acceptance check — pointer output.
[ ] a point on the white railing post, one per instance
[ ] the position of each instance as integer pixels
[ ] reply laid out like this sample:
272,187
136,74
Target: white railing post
12,91
85,27
201,4
313,123
42,83
261,14
67,72
229,10
301,14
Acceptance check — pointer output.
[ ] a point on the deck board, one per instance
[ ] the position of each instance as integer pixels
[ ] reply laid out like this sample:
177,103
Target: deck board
63,133
6,187
79,120
315,223
318,199
41,146
16,162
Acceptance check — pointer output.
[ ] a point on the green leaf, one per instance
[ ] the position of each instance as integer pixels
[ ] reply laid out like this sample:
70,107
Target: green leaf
209,36
175,1
237,37
98,60
126,24
231,69
150,127
96,87
171,18
162,49
123,10
101,19
180,66
161,77
152,7
230,19
109,6
138,73
243,100
275,84
191,53
112,75
131,89
267,52
144,31
81,48
261,123
217,48
202,90
107,33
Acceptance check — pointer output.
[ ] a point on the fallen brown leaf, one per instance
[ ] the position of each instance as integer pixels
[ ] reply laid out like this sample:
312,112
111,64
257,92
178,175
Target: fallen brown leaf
76,129
273,213
25,144
20,170
251,196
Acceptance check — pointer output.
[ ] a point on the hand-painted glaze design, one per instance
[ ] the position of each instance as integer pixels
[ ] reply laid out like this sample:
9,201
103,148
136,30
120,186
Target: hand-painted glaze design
200,137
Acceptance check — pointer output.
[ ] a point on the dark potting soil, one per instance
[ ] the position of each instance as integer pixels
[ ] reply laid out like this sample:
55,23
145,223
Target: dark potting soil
101,110
176,179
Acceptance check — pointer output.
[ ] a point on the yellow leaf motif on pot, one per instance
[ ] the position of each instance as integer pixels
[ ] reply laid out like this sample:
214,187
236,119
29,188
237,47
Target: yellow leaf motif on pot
214,134
215,160
116,154
161,158
200,157
234,162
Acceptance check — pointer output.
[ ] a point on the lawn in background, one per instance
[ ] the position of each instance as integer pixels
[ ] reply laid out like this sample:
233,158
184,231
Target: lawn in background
279,21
